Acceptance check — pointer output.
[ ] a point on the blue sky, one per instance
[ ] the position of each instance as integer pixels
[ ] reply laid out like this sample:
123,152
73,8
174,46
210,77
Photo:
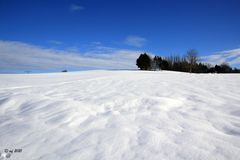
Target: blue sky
96,28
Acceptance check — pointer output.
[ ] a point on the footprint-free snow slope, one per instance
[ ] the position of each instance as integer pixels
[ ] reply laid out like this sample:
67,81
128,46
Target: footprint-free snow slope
120,115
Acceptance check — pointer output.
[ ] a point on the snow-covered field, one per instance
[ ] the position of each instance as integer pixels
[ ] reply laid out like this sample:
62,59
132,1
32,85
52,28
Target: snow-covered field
120,115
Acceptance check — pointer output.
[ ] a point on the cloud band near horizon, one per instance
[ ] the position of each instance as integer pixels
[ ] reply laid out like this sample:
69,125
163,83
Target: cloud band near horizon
26,57
19,57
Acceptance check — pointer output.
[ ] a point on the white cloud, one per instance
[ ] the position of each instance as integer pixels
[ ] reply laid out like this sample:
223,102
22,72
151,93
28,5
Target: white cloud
22,56
135,41
230,56
75,7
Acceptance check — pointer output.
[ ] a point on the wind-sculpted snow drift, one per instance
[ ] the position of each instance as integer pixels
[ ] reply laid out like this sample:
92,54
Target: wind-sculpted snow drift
120,115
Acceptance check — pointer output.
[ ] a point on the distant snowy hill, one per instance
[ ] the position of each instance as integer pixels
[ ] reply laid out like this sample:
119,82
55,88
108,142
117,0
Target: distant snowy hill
120,115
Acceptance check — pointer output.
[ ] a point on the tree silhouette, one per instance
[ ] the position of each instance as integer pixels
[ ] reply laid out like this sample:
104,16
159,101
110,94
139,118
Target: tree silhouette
156,63
192,59
144,62
188,63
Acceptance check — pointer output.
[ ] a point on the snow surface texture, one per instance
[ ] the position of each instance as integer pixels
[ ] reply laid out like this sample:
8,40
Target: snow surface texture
120,115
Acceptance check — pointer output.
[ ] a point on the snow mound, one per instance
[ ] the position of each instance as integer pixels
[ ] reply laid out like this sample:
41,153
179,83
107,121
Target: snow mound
120,115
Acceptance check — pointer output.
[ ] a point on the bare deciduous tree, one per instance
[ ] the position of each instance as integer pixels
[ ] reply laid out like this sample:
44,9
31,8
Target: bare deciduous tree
192,59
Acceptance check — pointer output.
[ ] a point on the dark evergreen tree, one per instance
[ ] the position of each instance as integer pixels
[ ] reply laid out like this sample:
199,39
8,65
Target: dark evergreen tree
225,68
202,68
144,62
164,65
212,70
218,69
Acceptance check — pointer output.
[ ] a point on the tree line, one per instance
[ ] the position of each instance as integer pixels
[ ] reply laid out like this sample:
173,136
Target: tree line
188,63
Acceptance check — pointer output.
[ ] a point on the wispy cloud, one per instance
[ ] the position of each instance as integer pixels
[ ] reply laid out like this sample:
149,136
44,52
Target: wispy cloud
55,42
22,56
230,56
75,7
135,41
